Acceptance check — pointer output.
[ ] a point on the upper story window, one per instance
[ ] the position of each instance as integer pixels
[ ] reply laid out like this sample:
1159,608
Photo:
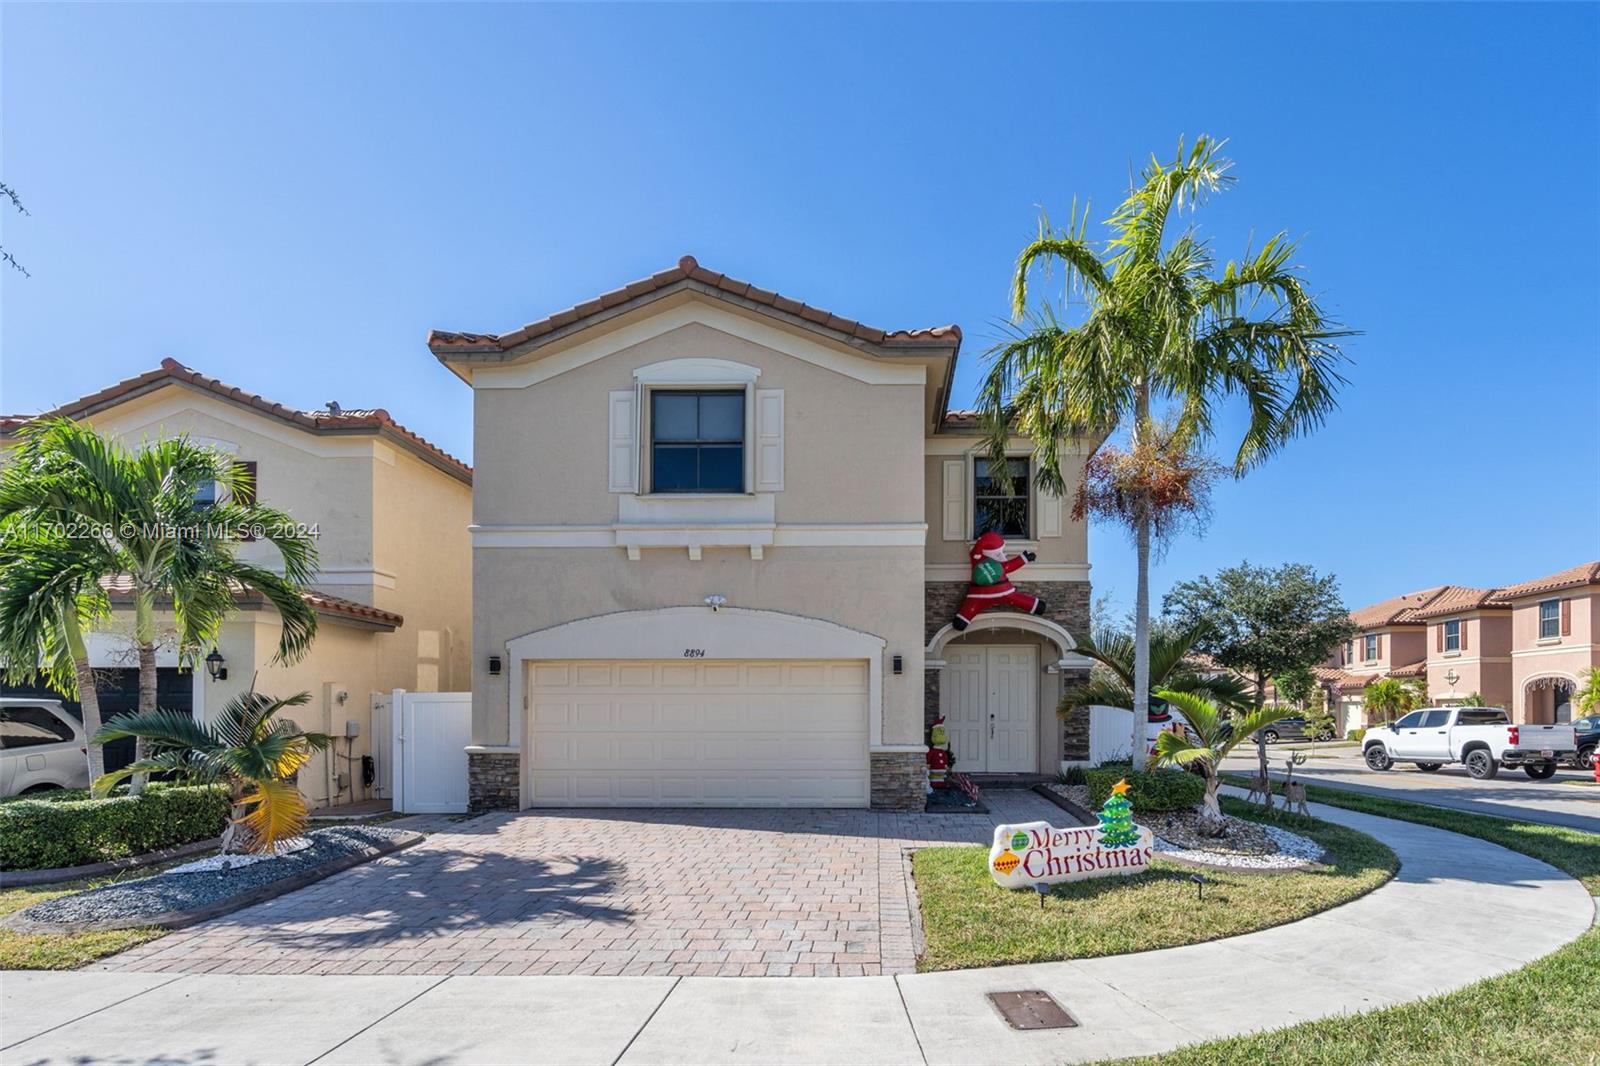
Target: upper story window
1000,506
1549,618
1452,635
209,493
1349,651
1369,647
697,440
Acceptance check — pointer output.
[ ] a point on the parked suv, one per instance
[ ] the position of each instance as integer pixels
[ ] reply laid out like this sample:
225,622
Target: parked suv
1588,733
1481,738
1293,728
41,747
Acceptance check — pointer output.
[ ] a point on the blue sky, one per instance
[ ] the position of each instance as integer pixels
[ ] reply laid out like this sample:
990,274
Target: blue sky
289,197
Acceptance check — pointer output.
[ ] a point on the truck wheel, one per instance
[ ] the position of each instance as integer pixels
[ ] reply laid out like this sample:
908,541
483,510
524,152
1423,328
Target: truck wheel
1377,758
1429,767
1481,765
1542,771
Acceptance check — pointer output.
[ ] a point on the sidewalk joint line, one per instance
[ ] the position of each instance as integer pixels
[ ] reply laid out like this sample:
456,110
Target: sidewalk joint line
175,978
652,1017
387,1014
910,1021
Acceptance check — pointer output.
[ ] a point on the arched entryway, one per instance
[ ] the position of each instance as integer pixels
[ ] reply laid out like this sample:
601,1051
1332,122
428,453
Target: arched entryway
1547,699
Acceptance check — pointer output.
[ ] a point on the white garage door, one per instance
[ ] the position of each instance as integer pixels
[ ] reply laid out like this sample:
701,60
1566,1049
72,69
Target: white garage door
714,733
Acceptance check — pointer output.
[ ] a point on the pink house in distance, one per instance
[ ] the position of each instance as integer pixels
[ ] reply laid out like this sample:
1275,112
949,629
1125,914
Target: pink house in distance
1555,639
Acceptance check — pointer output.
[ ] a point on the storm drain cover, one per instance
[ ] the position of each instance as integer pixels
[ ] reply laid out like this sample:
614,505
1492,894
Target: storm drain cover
1031,1009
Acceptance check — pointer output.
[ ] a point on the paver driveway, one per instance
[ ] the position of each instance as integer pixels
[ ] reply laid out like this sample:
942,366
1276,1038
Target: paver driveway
683,892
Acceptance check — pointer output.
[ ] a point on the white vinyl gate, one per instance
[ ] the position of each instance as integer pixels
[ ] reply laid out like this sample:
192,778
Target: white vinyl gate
430,731
1110,734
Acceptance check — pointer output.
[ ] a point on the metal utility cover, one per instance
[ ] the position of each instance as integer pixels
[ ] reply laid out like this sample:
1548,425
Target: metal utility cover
1031,1009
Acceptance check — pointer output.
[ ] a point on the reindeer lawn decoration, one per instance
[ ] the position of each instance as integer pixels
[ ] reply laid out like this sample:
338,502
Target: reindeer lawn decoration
1294,796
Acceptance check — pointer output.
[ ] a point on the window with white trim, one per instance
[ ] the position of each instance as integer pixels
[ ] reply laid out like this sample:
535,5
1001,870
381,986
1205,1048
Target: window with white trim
1452,635
1369,647
1000,504
697,440
1549,619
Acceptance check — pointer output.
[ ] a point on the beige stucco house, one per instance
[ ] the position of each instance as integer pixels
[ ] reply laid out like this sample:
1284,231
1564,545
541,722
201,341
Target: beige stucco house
390,512
718,540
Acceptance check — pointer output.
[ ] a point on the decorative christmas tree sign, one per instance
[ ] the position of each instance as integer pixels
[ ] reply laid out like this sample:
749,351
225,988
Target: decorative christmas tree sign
1037,853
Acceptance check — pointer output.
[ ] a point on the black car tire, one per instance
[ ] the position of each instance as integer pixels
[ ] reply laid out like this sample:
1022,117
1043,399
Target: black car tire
1270,735
1377,758
1586,758
1429,767
1481,765
1540,771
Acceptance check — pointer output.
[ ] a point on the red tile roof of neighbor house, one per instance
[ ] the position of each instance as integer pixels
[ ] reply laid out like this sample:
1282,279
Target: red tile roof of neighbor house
373,420
1400,610
1458,598
120,589
1573,577
450,343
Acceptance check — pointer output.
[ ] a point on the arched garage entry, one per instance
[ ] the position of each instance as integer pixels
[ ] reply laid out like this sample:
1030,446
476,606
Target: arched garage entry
689,706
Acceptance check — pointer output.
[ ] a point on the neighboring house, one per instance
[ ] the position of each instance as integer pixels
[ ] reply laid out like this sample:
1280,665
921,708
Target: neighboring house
1555,638
719,537
391,513
1391,642
1469,647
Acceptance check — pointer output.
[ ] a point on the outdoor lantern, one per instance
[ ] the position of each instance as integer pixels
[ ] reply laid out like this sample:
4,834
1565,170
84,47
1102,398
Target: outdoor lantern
215,665
899,665
494,665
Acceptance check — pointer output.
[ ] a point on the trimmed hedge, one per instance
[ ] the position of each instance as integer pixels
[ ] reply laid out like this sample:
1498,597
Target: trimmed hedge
38,834
1149,790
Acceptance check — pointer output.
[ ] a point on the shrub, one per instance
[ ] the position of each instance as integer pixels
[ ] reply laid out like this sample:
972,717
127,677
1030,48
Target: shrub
1355,734
40,834
1150,790
1072,775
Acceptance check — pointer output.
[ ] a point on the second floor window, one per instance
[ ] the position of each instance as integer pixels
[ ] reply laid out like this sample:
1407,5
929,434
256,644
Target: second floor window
1369,648
1452,635
1349,651
1549,618
998,506
209,493
697,440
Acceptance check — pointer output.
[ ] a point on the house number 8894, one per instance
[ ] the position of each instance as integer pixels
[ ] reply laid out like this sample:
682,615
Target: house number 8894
694,653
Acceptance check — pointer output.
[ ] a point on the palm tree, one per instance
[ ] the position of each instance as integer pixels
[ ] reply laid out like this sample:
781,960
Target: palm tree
1210,737
1155,326
1111,683
1388,697
245,746
144,510
1587,698
50,596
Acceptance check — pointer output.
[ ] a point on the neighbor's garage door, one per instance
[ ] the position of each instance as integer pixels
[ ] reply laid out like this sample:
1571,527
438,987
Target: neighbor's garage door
716,733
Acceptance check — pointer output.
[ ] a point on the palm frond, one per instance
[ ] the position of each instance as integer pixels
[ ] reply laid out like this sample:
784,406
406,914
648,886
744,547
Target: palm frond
275,813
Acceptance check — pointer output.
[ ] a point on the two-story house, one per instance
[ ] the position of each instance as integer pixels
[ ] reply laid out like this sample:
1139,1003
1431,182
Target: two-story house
719,537
390,513
1555,641
1391,642
1468,646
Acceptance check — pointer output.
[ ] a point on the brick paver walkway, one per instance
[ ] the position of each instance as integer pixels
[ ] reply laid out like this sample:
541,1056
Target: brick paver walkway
683,892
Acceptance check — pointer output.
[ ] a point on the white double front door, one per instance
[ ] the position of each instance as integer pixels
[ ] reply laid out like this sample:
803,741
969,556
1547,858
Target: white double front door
990,698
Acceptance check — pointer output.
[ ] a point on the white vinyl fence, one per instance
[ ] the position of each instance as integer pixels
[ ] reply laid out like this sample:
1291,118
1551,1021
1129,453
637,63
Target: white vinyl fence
430,732
1110,734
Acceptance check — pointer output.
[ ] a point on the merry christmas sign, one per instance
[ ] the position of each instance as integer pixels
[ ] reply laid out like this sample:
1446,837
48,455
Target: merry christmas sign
1037,853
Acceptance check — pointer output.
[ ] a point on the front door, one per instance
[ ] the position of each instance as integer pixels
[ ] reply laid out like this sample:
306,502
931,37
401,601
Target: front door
990,697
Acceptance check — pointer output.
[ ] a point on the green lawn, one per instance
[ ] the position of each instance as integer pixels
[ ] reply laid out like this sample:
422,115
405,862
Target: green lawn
968,920
1546,1013
64,951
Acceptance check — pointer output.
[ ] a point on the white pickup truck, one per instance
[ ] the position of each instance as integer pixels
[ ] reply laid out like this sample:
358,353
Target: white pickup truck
1481,738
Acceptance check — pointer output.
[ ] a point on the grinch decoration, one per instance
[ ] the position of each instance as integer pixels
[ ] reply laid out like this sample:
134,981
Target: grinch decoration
1116,819
991,587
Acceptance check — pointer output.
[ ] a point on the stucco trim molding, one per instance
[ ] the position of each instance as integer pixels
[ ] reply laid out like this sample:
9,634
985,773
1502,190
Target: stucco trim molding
668,632
1034,572
694,535
1030,623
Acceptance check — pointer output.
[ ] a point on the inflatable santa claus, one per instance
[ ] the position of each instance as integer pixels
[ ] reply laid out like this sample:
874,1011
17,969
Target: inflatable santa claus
991,587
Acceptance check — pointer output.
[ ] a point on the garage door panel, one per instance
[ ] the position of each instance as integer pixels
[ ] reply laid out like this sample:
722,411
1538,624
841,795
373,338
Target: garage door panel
712,733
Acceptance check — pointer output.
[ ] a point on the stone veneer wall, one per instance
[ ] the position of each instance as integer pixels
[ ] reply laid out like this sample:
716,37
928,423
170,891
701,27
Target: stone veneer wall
494,781
899,780
1066,603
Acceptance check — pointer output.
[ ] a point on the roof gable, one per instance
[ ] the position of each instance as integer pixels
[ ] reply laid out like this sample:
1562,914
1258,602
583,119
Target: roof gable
1573,577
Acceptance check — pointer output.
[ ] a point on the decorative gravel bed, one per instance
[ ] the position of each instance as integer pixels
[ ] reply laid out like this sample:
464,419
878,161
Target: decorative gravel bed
1247,845
174,899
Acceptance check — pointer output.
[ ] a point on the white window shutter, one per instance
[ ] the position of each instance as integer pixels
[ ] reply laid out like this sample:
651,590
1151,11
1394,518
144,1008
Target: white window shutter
1049,513
769,440
623,442
955,499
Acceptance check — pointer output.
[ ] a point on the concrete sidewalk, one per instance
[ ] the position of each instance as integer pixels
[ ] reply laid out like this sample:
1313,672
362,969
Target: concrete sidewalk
1392,945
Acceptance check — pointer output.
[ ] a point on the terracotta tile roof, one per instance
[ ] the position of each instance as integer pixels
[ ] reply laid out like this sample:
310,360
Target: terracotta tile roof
1574,577
367,420
449,344
1401,610
121,591
1416,669
1457,598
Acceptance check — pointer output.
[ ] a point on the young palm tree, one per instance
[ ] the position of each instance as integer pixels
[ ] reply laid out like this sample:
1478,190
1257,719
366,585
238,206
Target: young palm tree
245,746
1207,741
144,510
1111,683
1389,697
50,596
1156,326
1587,698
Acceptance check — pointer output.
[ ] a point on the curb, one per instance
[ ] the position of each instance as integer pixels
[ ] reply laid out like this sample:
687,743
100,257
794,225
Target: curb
182,919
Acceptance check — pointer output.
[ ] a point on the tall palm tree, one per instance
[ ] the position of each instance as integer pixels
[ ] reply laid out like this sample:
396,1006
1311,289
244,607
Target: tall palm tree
143,510
1152,325
50,596
1210,737
1111,683
244,745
